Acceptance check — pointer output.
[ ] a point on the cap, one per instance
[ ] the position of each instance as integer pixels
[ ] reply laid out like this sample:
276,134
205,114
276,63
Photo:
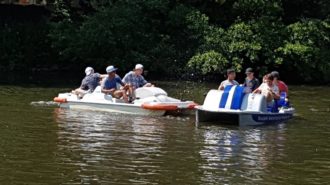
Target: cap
249,70
275,74
230,71
89,70
111,69
138,66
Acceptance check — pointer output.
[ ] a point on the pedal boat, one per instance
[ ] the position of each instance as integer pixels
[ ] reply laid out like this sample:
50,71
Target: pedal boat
150,101
233,106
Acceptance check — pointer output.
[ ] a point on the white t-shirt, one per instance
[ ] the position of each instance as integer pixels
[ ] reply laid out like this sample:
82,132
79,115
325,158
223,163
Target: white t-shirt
227,82
265,89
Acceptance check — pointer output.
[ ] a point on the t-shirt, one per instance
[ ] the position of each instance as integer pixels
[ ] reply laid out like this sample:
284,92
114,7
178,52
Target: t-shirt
90,82
265,89
228,82
135,80
282,86
108,83
251,85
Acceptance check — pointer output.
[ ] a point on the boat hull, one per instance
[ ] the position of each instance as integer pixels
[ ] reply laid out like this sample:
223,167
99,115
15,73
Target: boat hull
241,118
122,108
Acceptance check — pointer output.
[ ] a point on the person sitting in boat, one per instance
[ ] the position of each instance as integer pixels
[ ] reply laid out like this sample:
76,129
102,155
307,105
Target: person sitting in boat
251,83
89,83
109,85
268,89
281,85
135,79
231,75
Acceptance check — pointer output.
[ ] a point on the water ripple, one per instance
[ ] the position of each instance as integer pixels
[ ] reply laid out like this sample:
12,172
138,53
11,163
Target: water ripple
47,145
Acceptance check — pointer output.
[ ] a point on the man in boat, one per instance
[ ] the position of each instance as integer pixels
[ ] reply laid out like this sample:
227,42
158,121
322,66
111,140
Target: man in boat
135,79
251,83
89,83
268,89
109,85
231,75
281,85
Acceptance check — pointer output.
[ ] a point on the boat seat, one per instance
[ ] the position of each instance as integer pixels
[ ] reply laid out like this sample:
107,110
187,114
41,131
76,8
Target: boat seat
254,102
144,92
232,97
278,103
97,90
281,101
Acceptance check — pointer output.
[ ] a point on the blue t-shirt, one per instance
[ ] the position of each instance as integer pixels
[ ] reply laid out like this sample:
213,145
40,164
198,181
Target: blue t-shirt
90,82
251,84
108,83
135,80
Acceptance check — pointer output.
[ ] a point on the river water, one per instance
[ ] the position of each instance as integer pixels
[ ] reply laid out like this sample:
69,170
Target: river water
42,144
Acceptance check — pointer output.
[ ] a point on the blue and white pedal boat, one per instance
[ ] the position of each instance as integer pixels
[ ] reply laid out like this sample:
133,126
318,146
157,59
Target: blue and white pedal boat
233,106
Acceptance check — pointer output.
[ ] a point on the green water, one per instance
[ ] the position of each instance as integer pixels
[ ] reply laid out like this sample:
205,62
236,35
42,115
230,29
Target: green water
47,145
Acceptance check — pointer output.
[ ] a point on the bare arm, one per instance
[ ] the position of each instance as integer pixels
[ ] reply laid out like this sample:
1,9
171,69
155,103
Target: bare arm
108,91
275,95
257,91
148,85
104,90
103,76
221,87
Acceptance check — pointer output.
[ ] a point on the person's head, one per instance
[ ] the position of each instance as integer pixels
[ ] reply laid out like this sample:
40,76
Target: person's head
276,75
264,78
249,72
111,71
268,78
138,69
231,74
89,71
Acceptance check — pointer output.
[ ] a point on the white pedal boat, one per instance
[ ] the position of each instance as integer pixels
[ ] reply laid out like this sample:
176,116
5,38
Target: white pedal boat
233,106
151,101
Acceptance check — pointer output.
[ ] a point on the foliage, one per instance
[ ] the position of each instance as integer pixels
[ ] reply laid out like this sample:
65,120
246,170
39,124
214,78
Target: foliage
260,39
209,61
176,37
305,49
23,46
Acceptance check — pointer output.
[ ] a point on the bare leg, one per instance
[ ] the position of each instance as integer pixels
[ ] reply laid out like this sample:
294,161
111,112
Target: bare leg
131,92
120,93
79,92
269,97
125,97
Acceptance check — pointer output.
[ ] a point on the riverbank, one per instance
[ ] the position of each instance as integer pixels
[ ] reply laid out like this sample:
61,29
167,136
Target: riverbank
69,78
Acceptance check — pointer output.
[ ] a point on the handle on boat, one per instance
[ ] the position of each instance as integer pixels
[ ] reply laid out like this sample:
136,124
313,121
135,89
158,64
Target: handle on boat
60,100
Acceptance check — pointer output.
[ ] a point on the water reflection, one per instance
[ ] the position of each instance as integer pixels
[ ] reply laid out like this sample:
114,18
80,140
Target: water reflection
110,142
43,146
143,150
245,153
